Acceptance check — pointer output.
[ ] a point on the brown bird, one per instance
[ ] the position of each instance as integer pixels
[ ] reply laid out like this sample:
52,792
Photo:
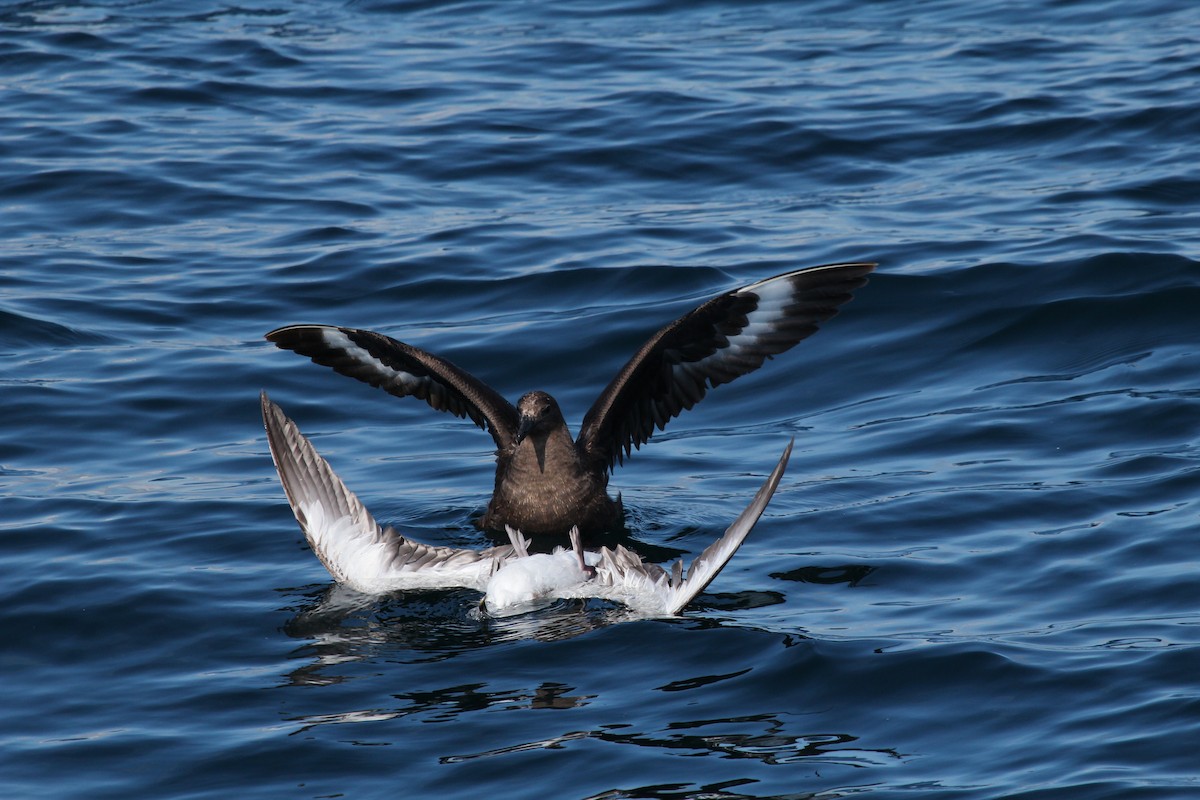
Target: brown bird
546,481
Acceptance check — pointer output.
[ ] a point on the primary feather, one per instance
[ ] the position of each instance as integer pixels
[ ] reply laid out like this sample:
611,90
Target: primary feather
548,481
369,558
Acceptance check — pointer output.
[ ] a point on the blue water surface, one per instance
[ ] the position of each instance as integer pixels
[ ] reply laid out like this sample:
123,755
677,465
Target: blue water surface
980,577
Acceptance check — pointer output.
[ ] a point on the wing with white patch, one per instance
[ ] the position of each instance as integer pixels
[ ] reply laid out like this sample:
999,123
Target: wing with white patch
355,549
403,370
727,337
648,588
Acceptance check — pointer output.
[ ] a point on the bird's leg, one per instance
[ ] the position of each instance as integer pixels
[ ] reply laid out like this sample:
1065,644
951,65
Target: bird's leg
577,546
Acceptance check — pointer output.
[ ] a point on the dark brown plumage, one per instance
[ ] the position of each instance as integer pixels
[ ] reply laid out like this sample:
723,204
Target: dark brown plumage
547,482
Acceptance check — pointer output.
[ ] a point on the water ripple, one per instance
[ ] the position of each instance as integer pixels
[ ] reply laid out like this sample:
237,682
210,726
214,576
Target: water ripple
987,527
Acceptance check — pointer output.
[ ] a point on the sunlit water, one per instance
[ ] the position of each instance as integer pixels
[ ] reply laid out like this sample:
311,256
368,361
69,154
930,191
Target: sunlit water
979,578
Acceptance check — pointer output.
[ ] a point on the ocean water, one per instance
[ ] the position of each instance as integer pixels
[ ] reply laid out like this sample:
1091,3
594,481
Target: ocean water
980,577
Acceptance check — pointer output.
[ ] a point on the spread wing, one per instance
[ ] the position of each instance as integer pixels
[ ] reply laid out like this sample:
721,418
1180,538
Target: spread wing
403,370
355,549
727,337
623,576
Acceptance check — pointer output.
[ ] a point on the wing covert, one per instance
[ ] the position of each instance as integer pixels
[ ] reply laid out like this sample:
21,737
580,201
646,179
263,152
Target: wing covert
727,337
403,371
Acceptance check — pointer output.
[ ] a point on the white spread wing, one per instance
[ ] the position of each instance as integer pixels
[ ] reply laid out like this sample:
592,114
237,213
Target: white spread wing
622,576
355,549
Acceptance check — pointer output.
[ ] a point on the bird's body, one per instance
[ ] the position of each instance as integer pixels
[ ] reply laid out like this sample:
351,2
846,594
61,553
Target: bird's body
372,559
548,481
525,583
542,480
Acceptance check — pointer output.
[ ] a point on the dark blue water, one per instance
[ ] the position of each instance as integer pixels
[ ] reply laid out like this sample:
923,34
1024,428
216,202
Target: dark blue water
979,579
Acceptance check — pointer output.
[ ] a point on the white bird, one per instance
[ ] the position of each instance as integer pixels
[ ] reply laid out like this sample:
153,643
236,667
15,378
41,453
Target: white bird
372,559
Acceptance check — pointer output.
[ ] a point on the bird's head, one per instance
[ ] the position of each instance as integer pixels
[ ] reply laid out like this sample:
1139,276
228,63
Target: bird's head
539,414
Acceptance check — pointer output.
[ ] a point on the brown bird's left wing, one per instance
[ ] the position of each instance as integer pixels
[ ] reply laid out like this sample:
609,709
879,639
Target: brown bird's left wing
404,371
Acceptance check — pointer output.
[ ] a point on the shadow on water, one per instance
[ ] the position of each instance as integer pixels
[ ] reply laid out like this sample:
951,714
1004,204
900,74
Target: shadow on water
850,574
345,626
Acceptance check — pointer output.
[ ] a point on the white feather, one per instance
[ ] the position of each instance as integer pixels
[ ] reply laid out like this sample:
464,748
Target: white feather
338,340
375,560
356,550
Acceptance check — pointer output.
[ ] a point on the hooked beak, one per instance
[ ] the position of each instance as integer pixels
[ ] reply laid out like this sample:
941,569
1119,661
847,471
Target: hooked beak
523,428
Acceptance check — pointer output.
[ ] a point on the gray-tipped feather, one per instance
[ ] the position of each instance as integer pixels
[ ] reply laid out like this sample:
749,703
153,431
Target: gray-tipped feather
361,554
355,549
621,575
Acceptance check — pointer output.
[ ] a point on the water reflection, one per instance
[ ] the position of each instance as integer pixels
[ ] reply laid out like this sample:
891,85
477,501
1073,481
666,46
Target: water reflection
763,737
849,574
349,635
449,703
689,791
342,626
